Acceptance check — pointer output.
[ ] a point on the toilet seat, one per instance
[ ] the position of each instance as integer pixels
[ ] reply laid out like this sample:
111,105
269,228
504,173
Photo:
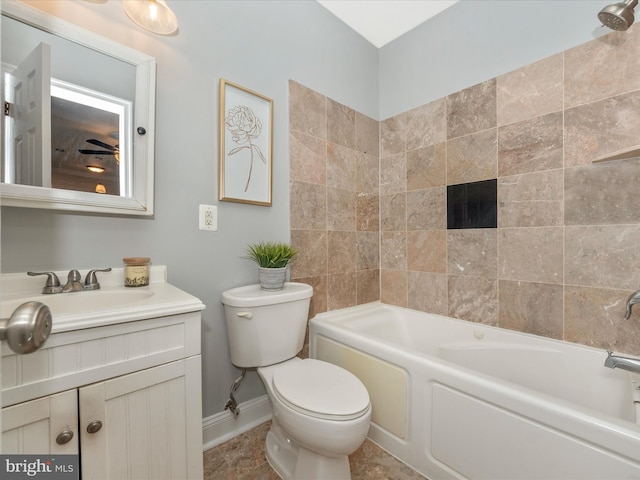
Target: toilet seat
321,390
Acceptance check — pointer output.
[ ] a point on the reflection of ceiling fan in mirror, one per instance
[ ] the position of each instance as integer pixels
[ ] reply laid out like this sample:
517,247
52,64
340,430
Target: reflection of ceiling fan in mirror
109,149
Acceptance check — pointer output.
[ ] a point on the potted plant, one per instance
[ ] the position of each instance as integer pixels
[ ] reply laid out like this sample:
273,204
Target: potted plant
272,259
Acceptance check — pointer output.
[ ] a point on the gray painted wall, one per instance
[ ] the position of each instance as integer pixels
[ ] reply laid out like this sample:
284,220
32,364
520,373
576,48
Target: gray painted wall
261,45
257,44
475,40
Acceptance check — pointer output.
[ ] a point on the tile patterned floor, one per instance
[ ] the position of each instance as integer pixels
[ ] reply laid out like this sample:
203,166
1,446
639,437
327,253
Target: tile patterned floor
243,458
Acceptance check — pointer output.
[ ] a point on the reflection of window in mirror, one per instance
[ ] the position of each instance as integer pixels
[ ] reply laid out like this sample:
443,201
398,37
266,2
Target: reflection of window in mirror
89,129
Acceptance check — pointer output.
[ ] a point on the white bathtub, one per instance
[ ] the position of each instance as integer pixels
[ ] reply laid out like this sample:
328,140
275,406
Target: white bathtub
455,399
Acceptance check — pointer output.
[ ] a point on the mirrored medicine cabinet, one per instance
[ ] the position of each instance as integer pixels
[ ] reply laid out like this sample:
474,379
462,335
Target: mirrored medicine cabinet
79,117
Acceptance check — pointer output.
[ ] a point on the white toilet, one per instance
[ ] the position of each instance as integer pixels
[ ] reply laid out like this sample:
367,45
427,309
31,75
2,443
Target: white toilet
321,412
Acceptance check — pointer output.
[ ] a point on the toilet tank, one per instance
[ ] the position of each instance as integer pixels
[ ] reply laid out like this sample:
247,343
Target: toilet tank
266,327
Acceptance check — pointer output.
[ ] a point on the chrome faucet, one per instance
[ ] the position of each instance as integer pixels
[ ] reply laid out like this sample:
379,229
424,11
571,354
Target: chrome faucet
53,282
624,363
91,282
73,282
631,301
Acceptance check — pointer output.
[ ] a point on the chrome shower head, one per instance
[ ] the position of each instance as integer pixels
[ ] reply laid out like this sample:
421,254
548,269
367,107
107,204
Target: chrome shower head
618,16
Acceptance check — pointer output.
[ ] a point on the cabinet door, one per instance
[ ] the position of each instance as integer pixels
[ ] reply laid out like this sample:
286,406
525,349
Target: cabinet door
151,424
33,427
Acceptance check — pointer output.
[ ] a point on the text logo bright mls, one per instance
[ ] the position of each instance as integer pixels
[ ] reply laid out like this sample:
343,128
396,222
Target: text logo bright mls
60,467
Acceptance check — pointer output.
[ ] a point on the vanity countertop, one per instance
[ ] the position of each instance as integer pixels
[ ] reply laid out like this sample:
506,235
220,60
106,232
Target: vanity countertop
113,303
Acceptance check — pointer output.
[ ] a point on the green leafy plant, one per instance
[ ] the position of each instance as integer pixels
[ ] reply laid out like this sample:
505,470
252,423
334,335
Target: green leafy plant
270,254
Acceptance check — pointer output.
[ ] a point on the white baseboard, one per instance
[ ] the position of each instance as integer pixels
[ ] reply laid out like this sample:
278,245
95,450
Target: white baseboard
223,426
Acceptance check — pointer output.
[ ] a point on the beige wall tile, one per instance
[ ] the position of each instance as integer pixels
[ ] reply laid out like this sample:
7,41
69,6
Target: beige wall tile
473,252
341,209
473,157
531,145
367,135
341,167
531,307
427,251
367,212
342,288
367,173
341,252
427,167
427,209
426,125
393,250
393,212
341,124
473,298
307,111
530,91
368,286
428,292
603,256
531,199
530,254
393,177
533,255
595,317
393,135
308,206
472,109
368,250
311,260
319,298
394,287
600,128
308,157
601,68
602,193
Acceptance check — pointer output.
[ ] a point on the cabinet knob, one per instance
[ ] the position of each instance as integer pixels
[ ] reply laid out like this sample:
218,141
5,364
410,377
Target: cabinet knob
94,426
64,437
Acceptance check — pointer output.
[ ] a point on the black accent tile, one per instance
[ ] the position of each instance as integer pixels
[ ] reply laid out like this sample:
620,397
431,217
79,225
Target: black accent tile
472,205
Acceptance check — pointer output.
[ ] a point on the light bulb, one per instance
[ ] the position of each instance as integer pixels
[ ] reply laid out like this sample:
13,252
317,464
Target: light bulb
152,15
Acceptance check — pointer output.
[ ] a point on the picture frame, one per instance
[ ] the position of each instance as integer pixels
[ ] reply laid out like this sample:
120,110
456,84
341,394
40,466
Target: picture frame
245,145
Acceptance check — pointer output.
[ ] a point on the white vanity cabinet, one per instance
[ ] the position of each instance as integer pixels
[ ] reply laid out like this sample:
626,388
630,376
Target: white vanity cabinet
128,392
33,427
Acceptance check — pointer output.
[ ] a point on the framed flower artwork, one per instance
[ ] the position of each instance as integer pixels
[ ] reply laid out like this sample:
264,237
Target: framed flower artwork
246,138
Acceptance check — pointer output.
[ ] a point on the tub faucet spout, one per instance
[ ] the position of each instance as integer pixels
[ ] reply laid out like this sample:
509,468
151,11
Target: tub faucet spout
624,363
631,301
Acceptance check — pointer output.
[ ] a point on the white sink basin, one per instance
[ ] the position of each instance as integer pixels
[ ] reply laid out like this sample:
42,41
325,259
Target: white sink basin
81,302
113,303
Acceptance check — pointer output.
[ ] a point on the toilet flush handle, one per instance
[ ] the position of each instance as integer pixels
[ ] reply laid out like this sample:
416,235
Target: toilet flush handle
247,315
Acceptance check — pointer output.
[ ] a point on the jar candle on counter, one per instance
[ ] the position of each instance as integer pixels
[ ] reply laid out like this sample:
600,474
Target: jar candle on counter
136,271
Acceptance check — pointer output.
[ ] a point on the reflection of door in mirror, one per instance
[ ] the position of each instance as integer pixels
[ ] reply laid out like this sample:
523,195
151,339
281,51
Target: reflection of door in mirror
27,128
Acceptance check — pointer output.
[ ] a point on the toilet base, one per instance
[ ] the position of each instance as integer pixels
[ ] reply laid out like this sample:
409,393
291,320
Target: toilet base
293,462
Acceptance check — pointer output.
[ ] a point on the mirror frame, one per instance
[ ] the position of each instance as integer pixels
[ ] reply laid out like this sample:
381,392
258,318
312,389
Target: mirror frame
141,202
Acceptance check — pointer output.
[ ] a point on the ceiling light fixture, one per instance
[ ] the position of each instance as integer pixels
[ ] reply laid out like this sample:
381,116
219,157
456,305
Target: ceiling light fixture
100,188
95,169
152,15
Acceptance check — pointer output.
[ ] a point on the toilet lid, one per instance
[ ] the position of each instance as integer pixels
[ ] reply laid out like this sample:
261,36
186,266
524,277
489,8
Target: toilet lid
320,389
